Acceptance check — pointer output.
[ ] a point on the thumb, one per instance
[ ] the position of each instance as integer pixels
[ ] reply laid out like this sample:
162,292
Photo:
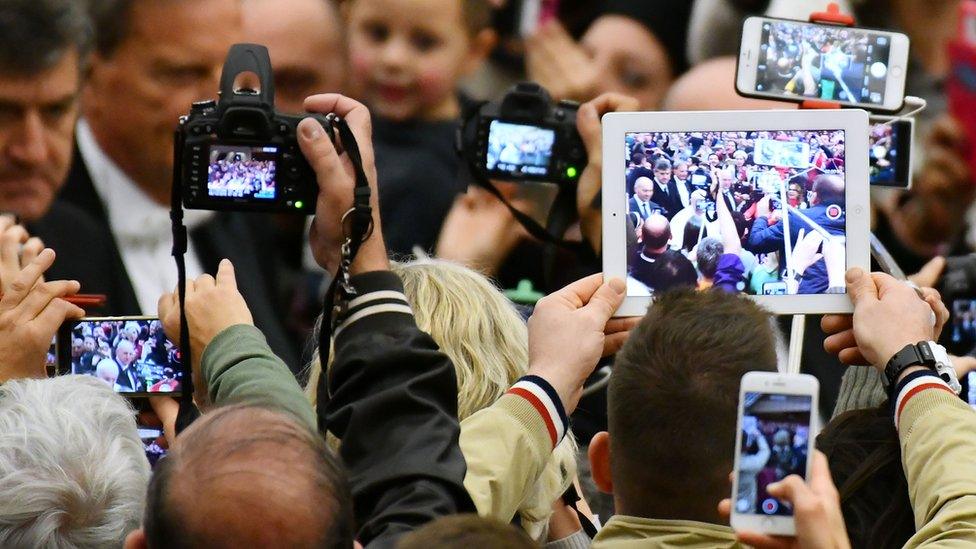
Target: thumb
860,286
606,299
791,489
929,274
590,129
319,151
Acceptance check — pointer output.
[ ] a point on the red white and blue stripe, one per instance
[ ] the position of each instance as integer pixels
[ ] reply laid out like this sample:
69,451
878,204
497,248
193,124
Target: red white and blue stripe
914,384
540,394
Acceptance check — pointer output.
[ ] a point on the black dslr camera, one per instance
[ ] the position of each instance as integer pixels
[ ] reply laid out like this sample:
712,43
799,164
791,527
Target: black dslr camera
238,153
525,137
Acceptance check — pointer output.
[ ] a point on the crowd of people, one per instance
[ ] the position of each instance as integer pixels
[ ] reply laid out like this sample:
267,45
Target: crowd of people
748,212
836,64
451,412
237,174
514,147
129,356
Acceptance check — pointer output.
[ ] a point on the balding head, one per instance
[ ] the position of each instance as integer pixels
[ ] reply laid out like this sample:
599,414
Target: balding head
829,189
304,39
710,86
656,233
244,476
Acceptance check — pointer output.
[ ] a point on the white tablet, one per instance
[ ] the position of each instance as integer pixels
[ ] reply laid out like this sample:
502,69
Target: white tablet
772,204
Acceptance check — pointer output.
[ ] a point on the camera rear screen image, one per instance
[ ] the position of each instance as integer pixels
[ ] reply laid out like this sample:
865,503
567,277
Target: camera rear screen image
823,62
519,149
889,150
131,356
962,327
782,229
242,172
775,433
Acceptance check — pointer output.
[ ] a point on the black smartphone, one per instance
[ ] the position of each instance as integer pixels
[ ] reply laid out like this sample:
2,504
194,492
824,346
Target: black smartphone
890,149
129,353
151,442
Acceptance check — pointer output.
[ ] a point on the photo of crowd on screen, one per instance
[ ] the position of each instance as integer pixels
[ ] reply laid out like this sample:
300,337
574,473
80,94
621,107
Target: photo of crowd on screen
238,173
759,212
130,356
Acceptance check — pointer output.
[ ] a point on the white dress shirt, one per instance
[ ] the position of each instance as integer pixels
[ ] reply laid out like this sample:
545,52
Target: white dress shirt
141,228
683,193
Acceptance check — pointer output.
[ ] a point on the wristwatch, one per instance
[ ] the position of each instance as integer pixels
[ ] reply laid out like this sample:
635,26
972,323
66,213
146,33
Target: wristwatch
925,353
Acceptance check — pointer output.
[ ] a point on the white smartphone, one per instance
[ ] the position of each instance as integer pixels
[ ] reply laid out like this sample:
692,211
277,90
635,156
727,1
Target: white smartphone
797,61
774,439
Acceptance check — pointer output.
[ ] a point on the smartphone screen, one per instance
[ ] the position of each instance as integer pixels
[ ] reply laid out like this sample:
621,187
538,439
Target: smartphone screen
809,61
774,444
151,441
130,354
890,153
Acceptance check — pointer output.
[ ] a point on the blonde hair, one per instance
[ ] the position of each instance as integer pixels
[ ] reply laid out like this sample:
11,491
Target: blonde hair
485,337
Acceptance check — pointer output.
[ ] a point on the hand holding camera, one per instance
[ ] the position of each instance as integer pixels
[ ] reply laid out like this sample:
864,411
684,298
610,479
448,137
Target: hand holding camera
337,179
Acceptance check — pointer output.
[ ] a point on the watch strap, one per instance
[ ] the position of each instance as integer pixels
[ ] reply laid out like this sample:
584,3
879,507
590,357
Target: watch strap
910,355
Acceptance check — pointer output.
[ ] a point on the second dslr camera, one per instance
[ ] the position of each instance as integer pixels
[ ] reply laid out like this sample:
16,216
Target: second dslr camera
238,153
525,137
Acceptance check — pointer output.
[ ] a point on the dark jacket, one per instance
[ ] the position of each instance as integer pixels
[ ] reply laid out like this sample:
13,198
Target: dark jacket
393,405
226,235
765,239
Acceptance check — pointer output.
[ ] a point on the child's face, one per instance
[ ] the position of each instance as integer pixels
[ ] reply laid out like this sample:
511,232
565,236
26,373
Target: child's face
406,56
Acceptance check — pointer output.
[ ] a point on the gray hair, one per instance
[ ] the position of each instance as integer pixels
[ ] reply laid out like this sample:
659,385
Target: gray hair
36,35
73,472
710,249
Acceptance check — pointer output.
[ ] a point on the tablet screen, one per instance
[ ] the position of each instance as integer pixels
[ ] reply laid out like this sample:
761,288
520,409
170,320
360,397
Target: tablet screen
755,212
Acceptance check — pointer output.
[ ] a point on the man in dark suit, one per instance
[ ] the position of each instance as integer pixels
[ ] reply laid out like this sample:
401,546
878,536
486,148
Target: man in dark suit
665,193
680,185
827,211
125,360
123,165
642,203
655,264
39,92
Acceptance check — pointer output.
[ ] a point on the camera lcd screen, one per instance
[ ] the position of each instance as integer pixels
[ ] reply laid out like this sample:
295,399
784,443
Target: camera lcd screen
518,149
237,172
782,230
775,432
890,149
131,356
823,62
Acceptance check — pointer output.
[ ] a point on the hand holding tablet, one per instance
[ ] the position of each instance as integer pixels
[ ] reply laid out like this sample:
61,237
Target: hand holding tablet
793,193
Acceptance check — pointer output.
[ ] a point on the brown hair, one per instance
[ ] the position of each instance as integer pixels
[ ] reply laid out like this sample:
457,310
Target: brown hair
673,399
865,462
478,15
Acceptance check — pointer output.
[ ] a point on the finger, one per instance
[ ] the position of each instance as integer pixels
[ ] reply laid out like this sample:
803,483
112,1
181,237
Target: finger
54,315
7,221
836,343
832,324
27,278
320,153
821,482
853,357
204,282
618,325
861,287
42,295
725,508
579,292
791,489
31,249
613,343
963,365
606,299
353,112
934,300
225,275
10,243
928,275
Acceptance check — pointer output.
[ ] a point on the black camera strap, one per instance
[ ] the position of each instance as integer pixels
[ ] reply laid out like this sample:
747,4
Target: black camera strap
357,225
188,411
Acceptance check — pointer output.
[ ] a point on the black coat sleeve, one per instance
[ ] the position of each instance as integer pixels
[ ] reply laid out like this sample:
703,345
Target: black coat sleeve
394,406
